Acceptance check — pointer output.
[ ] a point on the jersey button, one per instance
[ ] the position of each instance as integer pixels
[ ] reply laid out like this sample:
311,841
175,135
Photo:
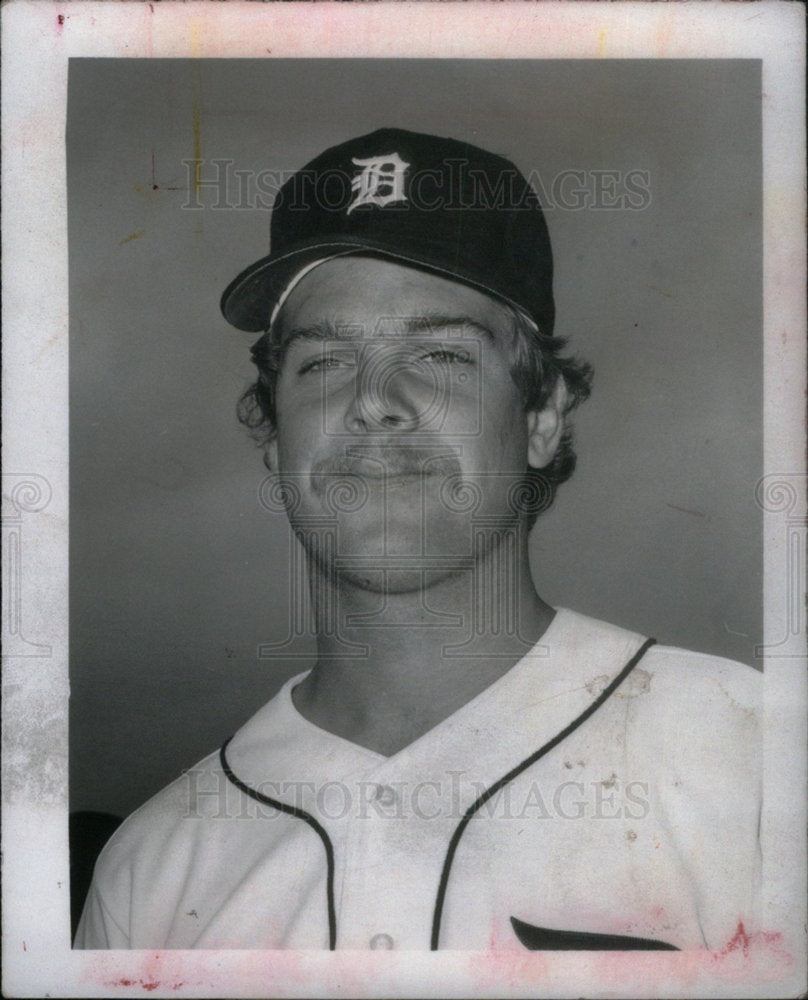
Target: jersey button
385,795
381,942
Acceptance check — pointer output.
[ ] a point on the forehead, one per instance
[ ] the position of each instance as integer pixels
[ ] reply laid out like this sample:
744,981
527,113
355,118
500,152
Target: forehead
365,294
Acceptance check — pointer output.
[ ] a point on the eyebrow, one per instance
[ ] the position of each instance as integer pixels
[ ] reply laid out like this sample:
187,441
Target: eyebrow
406,326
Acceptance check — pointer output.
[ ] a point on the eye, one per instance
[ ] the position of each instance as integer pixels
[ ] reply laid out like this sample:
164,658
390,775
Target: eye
324,362
448,356
316,365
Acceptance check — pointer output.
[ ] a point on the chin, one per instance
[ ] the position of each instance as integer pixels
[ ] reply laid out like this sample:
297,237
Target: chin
394,581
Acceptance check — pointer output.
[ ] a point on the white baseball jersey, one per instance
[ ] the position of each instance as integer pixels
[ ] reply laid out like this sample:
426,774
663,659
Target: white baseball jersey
587,799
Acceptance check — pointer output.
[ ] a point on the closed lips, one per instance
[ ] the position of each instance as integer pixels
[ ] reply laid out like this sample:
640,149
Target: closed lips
390,463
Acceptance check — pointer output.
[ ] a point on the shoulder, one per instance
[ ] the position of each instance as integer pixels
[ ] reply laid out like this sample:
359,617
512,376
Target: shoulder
155,828
668,673
701,680
169,825
698,717
680,709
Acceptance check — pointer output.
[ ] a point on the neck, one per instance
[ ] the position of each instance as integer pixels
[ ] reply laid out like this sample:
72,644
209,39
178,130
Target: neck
395,659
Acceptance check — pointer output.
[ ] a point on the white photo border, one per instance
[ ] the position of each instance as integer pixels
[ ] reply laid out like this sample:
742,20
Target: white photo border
38,40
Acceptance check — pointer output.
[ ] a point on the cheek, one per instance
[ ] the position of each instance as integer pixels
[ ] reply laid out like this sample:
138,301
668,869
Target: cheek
312,410
295,438
507,423
514,437
294,448
512,445
293,412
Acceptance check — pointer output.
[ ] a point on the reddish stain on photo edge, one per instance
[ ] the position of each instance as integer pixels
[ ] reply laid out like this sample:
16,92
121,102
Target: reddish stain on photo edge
741,940
146,985
151,975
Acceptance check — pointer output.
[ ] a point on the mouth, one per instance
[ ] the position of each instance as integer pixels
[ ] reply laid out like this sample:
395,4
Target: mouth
386,464
380,469
376,476
386,475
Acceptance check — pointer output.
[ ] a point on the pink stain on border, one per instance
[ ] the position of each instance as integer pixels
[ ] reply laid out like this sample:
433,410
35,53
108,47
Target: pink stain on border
146,984
511,967
757,941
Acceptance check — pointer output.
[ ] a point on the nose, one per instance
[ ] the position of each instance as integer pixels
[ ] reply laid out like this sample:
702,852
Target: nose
384,398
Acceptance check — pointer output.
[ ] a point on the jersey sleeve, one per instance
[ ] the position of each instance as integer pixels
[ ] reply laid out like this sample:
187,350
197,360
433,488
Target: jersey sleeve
709,785
97,927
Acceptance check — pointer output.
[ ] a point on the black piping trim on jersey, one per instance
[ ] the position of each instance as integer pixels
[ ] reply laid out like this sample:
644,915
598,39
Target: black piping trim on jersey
307,818
490,792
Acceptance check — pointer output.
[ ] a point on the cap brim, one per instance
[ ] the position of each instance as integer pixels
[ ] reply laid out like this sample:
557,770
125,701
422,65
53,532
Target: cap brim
249,299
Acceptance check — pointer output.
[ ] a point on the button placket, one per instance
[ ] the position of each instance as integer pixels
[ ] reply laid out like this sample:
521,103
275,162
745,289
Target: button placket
392,864
358,916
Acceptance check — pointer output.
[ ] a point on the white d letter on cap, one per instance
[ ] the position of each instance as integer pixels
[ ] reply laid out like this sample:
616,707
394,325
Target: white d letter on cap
380,181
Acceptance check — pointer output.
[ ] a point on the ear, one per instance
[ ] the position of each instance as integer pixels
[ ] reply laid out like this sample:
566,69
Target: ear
545,427
271,453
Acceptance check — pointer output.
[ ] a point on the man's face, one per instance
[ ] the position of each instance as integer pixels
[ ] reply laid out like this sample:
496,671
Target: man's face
397,418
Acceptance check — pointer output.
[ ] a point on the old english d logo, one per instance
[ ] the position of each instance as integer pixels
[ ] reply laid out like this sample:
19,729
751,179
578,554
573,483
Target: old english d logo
379,182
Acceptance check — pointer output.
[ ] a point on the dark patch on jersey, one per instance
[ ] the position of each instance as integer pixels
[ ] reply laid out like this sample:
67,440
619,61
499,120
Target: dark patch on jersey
545,939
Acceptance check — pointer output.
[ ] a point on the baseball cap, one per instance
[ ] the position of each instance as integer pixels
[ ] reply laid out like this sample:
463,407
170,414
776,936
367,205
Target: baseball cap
420,200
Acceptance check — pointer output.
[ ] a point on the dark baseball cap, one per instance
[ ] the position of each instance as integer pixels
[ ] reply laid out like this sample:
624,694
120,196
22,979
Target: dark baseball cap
419,200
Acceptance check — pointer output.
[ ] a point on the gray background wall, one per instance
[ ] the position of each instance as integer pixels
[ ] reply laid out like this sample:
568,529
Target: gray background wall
178,572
